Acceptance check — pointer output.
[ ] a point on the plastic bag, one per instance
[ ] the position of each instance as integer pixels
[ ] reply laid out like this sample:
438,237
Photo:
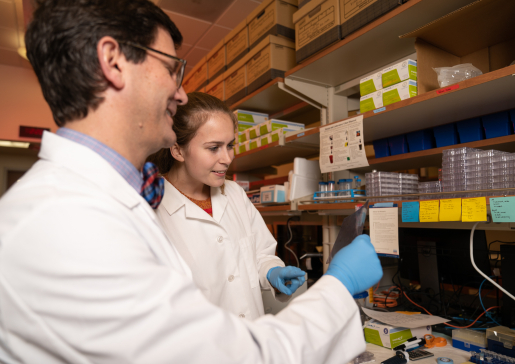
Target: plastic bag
352,227
451,75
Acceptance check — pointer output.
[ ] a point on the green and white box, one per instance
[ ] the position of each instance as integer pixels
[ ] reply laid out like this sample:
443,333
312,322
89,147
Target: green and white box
273,193
244,125
251,116
273,124
371,102
253,132
405,70
241,137
243,147
390,336
371,84
399,92
254,143
266,139
275,134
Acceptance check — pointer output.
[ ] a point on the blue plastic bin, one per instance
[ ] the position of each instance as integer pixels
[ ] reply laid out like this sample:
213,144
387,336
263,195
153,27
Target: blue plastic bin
446,135
398,144
381,148
512,118
470,130
421,140
497,125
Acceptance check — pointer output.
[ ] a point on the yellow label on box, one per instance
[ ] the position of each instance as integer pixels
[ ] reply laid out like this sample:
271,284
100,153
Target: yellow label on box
258,65
474,209
429,211
237,45
450,209
259,26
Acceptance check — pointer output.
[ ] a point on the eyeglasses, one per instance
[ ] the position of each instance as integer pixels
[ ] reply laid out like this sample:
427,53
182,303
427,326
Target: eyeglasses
178,64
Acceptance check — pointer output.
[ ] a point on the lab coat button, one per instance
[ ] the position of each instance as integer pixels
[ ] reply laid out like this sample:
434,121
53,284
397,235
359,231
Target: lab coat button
231,278
220,239
242,315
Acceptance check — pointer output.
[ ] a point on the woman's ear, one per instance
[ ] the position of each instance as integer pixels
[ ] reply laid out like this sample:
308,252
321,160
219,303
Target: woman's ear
177,152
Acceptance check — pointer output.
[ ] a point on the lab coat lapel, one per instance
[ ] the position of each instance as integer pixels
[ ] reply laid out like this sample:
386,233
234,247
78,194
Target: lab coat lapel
219,203
173,200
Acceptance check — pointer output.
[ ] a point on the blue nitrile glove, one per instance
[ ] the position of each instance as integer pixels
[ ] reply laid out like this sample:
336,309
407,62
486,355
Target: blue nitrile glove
356,265
278,276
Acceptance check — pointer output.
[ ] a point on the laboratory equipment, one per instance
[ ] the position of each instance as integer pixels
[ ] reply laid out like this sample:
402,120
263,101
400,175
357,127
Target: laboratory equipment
330,189
400,358
469,340
419,354
366,357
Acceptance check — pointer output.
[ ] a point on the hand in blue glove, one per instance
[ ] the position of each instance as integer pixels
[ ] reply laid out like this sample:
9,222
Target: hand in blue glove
356,265
278,276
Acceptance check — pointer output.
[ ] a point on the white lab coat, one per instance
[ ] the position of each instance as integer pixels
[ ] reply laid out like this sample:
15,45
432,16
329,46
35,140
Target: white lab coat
87,275
230,253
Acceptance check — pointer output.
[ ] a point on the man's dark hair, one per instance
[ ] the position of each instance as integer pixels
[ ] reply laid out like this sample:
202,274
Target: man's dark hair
62,43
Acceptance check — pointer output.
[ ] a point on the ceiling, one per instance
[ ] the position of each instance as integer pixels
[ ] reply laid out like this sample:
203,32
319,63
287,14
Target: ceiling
203,24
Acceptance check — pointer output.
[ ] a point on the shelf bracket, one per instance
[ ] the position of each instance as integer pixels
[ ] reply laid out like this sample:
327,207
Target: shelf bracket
302,96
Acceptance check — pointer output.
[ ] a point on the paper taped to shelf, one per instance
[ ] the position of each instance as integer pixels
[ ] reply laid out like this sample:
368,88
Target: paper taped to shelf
341,145
400,319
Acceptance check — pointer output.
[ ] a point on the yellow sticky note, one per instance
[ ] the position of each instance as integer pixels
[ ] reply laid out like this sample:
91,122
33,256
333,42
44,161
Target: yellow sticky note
473,209
450,209
429,211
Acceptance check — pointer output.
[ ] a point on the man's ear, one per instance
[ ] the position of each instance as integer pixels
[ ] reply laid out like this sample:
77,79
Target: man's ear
111,61
177,152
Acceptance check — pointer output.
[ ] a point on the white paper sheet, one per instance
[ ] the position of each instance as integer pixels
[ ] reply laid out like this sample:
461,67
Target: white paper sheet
342,145
402,320
384,230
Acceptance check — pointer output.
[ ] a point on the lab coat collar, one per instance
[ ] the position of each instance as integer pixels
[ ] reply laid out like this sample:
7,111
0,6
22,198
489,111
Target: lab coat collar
173,200
91,166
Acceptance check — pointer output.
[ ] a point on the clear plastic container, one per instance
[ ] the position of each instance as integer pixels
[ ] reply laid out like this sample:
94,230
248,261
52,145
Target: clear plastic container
341,186
358,184
322,187
330,189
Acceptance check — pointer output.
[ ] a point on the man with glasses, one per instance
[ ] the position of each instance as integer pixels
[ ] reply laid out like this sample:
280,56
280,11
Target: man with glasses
86,273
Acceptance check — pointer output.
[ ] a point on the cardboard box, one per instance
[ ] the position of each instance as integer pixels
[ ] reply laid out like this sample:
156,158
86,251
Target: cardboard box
216,63
272,17
371,101
274,124
235,82
216,88
390,336
254,143
266,139
271,58
236,44
317,25
273,193
405,70
198,76
241,137
466,36
303,2
371,84
243,147
250,116
356,13
399,92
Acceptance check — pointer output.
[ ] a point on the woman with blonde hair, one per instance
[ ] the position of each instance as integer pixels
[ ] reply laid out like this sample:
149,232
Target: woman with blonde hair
210,220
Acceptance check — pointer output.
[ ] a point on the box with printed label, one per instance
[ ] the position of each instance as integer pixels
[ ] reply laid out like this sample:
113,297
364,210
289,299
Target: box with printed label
356,13
197,78
271,58
235,82
275,134
266,139
253,132
243,147
251,116
399,92
244,125
254,143
236,44
317,25
388,336
273,124
273,193
371,101
216,65
272,17
405,70
216,88
241,137
371,84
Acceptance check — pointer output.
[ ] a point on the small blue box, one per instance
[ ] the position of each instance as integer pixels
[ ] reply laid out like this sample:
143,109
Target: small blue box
398,144
497,125
466,346
446,135
421,140
470,130
381,148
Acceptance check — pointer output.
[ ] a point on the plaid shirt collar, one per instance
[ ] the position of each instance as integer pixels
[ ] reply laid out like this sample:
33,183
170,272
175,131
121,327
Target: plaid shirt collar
119,163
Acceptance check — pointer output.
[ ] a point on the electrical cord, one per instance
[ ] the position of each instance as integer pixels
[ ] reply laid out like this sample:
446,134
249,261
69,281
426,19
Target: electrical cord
290,239
484,309
478,270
